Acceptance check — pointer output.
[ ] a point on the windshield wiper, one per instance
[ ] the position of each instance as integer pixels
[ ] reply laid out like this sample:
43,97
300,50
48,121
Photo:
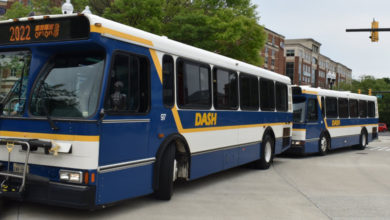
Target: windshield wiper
51,122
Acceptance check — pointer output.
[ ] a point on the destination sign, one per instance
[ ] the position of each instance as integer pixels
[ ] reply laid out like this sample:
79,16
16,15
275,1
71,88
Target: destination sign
47,30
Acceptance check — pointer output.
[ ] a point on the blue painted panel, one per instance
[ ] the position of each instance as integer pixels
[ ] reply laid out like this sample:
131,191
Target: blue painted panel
311,147
208,163
124,184
345,141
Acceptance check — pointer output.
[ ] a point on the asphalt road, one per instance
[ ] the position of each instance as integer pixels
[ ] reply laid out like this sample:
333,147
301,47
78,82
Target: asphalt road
345,184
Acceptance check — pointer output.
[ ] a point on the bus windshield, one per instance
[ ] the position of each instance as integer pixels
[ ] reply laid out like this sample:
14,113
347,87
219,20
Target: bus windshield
299,109
14,68
69,87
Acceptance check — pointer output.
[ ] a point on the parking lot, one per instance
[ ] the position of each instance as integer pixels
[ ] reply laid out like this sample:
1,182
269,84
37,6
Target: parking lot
345,184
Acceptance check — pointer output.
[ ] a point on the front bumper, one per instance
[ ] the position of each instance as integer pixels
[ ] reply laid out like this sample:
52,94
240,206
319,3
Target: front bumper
296,149
41,190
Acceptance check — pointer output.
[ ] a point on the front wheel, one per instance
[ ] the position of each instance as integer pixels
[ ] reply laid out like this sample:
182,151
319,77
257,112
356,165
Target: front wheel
267,153
323,145
166,174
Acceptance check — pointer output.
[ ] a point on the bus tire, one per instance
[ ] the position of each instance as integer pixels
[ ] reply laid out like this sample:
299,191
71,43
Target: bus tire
363,140
267,153
323,145
166,174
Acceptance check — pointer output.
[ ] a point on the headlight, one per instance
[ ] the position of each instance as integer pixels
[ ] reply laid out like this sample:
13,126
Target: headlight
298,142
71,176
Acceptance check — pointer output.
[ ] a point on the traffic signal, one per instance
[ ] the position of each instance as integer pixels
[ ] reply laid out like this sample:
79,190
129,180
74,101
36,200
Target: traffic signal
359,91
369,91
374,34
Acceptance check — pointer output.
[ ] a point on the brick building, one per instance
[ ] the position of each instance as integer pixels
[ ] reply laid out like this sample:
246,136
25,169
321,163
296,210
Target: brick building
273,52
305,65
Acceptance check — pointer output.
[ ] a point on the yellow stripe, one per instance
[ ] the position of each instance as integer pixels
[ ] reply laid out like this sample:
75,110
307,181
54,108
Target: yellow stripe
177,120
156,63
310,92
350,126
299,129
104,30
190,130
62,137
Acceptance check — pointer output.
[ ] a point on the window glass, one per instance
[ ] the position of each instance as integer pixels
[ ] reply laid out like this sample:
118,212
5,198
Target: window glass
362,108
129,85
70,86
323,106
225,89
299,109
168,81
281,97
249,92
312,110
14,68
371,109
343,108
267,95
331,107
193,85
353,108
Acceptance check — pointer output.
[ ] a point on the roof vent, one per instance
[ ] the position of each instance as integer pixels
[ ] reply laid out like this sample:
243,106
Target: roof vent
87,10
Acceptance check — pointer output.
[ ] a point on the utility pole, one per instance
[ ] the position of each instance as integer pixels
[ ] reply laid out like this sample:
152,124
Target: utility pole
374,30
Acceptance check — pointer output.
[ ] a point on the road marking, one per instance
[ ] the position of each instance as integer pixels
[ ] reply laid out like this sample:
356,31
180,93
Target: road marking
379,148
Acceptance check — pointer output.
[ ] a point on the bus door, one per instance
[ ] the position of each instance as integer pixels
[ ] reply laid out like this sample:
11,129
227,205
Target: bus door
125,122
313,125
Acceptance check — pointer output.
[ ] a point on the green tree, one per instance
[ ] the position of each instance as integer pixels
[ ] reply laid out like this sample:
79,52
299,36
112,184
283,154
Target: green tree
17,10
227,27
45,7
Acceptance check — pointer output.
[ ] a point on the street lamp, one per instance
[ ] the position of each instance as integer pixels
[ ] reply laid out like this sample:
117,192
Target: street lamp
331,77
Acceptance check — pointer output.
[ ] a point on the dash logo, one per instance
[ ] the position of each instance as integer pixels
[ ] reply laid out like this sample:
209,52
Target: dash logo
209,119
336,122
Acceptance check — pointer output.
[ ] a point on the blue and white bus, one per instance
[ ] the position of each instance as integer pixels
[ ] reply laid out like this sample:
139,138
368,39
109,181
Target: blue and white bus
94,112
328,119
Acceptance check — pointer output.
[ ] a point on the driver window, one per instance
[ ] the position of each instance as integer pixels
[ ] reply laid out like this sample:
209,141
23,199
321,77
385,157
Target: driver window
129,86
312,113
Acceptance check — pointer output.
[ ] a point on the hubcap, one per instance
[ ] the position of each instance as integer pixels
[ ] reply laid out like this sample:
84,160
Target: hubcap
364,140
323,144
174,170
268,152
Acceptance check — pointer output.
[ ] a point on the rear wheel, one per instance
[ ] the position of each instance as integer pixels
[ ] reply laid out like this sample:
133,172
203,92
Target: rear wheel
323,145
363,141
167,174
267,153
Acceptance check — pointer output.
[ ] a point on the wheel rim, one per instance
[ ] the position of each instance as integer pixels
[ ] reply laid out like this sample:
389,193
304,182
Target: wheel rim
268,152
174,170
323,144
364,140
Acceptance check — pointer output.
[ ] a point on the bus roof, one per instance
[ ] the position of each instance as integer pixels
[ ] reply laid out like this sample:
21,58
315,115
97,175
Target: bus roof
118,31
338,94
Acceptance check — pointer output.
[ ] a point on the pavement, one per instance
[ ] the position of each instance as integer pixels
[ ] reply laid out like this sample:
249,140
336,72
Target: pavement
345,184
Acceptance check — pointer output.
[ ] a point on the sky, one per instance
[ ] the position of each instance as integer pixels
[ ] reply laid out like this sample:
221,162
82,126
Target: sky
326,21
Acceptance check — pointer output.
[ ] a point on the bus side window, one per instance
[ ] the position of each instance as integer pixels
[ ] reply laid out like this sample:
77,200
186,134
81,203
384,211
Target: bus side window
128,91
267,95
331,107
362,108
353,108
249,92
193,85
323,106
343,108
371,109
168,81
225,89
281,97
312,111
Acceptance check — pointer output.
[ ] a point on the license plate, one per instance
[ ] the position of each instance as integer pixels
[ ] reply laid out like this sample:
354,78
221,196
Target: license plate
19,168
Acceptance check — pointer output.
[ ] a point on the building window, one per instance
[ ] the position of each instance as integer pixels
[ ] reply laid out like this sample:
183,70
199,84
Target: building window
273,53
315,49
290,71
273,62
290,53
